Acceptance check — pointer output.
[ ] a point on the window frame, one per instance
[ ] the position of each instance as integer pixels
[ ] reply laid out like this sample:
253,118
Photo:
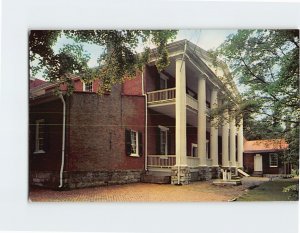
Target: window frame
38,149
165,130
270,160
136,154
85,85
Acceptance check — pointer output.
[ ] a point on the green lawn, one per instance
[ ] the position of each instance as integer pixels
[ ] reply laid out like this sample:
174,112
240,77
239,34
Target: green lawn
270,191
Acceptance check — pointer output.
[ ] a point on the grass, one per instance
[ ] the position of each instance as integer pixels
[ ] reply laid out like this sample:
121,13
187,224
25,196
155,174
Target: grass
270,191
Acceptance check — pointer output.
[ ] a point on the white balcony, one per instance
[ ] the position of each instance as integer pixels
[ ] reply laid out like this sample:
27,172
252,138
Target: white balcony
168,96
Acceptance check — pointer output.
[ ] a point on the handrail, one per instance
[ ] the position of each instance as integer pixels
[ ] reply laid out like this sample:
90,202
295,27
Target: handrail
162,95
161,161
162,90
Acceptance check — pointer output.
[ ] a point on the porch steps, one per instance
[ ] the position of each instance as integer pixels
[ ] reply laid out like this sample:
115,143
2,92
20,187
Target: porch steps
232,182
243,173
156,177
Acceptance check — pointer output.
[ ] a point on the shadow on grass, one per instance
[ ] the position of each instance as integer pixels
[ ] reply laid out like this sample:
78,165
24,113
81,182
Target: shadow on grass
269,191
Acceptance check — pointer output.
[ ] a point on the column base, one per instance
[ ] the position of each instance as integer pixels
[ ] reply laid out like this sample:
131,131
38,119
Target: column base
184,176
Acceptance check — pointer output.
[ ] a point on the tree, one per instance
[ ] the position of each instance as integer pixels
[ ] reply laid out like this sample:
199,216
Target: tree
118,61
266,64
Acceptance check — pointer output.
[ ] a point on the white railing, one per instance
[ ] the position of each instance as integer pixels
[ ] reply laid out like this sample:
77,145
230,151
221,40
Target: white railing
161,161
193,161
161,95
190,101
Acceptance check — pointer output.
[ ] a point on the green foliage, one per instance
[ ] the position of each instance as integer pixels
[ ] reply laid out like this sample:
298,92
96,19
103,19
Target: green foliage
266,62
118,61
293,190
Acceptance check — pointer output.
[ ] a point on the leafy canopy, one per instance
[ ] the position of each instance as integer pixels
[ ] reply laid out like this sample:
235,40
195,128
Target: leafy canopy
118,61
266,64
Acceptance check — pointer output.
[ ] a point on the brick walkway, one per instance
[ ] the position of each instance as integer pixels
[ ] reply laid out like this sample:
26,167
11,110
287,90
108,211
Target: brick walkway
141,192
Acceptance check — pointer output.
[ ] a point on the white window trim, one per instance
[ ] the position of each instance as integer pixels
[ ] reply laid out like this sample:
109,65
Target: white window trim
270,155
192,147
165,129
136,143
37,142
84,87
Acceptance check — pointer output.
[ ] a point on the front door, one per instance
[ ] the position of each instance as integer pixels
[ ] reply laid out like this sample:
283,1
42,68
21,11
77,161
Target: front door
258,163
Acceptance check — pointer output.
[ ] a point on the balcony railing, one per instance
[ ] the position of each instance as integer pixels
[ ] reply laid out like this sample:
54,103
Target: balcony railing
161,95
169,95
190,101
161,161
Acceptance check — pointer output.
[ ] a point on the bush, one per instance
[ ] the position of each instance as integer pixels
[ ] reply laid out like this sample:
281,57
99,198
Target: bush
293,190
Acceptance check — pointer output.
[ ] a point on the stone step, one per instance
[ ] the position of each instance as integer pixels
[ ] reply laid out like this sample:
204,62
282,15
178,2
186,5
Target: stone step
257,174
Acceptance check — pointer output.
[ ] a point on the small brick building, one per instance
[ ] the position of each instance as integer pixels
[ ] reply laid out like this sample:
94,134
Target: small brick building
265,157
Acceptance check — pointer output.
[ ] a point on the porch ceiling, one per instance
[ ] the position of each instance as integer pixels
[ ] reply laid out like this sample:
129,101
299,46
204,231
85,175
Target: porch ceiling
169,110
192,74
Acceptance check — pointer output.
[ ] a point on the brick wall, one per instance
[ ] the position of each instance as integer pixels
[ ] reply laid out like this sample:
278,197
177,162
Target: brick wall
97,130
151,78
249,164
44,167
133,86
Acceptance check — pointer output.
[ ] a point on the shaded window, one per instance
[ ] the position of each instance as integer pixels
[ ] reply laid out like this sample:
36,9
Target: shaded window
163,140
133,143
273,160
88,87
39,136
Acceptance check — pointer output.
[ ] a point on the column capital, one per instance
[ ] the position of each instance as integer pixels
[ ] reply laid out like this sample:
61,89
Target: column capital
202,76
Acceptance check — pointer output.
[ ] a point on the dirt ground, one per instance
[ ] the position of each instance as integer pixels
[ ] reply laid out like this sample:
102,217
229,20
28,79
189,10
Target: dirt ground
142,192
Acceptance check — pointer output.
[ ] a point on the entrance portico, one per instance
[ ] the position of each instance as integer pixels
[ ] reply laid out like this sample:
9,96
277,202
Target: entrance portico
198,155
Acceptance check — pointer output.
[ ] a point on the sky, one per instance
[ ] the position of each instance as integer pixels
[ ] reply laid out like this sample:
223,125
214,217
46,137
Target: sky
206,39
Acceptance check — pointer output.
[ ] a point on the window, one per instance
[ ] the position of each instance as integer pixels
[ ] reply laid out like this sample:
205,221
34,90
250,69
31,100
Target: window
194,152
39,136
273,160
163,82
163,139
133,143
88,87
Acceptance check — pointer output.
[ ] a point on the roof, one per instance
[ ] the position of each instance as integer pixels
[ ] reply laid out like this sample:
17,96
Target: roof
36,82
260,146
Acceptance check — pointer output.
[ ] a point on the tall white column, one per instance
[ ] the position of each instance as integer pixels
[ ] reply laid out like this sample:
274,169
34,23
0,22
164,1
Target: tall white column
201,130
181,159
214,129
240,144
232,140
225,145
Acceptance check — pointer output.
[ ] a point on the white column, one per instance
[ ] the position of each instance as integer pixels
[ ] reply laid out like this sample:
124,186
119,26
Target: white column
201,130
214,130
232,140
225,134
181,159
240,144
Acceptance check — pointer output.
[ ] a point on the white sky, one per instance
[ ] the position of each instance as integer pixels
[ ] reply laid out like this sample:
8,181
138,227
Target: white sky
206,39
